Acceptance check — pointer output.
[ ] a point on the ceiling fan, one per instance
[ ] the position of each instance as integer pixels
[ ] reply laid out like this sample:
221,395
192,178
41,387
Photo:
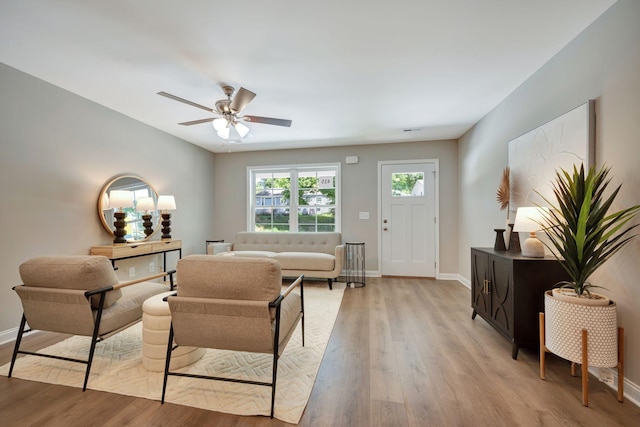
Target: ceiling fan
230,122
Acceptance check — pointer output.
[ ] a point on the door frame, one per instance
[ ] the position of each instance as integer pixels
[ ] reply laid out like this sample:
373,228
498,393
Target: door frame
436,168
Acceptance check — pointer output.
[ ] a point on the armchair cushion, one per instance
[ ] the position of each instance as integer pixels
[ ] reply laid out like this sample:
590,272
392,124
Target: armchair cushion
237,278
128,310
80,272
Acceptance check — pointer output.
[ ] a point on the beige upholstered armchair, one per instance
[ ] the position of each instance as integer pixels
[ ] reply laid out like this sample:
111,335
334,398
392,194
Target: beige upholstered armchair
233,303
79,295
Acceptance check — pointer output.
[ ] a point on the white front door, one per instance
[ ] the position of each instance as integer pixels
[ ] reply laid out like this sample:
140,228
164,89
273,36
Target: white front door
408,218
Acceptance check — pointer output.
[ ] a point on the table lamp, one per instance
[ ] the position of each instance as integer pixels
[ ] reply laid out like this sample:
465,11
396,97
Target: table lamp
528,219
145,205
118,200
166,204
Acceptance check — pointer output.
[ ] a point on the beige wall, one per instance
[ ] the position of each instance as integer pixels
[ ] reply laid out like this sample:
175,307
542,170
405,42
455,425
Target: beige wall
56,152
603,63
359,190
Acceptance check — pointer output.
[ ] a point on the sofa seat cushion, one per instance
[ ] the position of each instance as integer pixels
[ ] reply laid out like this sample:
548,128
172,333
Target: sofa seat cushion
305,261
254,254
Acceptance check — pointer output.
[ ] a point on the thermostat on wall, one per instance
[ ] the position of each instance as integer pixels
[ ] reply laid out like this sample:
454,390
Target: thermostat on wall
351,160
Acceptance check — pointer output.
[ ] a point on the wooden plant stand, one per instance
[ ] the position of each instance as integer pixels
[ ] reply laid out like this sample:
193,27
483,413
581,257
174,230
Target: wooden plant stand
585,365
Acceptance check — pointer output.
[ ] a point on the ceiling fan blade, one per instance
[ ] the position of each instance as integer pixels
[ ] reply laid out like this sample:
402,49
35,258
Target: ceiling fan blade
196,122
177,98
241,100
268,121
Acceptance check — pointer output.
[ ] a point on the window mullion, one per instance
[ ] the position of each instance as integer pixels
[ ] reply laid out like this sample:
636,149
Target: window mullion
293,202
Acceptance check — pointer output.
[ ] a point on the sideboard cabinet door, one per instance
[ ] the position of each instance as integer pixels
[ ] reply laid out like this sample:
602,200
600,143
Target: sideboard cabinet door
501,293
507,291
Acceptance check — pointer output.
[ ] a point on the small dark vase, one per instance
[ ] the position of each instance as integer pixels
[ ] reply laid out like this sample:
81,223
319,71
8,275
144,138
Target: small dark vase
514,240
499,244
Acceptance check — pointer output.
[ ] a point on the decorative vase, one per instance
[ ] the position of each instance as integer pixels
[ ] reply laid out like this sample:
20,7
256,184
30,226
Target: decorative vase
564,322
507,233
514,240
499,243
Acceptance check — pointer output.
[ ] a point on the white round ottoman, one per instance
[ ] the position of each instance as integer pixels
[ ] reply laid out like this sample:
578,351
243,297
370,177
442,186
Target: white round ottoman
156,321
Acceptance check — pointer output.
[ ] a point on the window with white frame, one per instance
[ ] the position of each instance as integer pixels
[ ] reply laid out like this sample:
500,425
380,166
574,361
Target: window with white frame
294,198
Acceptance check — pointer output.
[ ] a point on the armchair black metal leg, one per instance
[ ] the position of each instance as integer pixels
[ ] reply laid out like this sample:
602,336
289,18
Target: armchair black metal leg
330,284
276,356
302,307
92,349
18,341
167,362
94,340
273,382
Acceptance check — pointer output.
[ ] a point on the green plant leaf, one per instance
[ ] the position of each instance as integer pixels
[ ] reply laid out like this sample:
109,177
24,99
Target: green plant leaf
582,234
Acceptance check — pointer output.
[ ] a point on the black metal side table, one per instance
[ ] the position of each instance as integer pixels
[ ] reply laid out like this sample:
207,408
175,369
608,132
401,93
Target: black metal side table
354,264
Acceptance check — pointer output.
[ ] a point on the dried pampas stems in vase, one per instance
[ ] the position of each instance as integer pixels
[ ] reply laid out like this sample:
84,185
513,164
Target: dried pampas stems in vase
502,196
504,191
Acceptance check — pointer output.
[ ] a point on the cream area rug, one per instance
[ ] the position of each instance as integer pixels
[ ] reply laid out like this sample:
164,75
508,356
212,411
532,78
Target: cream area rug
117,367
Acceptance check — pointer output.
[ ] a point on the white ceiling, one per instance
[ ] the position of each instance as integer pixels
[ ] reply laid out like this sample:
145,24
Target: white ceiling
345,71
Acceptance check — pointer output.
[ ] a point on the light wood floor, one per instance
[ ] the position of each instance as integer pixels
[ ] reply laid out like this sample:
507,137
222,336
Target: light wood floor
404,352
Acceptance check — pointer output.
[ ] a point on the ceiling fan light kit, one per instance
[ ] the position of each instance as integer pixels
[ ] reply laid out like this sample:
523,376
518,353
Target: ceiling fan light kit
229,125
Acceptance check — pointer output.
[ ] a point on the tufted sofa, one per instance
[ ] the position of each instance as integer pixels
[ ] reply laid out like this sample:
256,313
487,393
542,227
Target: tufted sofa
316,255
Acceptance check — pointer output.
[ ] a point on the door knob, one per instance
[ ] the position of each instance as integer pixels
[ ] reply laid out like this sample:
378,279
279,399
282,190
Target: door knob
385,228
385,221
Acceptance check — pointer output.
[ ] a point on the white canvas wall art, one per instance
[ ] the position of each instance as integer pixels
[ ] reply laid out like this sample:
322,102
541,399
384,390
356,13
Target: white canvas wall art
535,156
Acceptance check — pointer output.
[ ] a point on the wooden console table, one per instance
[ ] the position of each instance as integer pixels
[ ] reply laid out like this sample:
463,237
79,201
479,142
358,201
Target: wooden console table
134,250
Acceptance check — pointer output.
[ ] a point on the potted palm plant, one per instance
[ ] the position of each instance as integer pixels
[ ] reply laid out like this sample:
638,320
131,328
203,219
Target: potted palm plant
581,232
583,235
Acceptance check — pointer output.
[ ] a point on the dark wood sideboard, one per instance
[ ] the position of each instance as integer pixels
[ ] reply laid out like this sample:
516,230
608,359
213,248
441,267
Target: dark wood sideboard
507,290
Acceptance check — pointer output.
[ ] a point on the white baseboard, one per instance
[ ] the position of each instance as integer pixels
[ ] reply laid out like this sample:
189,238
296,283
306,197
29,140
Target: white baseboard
8,335
631,389
447,276
367,273
466,282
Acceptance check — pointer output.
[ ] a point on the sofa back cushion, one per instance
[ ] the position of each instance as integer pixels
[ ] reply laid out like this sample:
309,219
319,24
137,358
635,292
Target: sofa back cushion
229,277
288,242
80,272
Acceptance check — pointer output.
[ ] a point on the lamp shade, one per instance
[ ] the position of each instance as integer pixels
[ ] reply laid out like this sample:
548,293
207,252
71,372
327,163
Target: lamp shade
166,203
120,199
219,124
145,204
528,219
224,133
241,129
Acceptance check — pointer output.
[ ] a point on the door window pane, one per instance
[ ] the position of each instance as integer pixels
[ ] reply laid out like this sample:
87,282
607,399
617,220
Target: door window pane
407,184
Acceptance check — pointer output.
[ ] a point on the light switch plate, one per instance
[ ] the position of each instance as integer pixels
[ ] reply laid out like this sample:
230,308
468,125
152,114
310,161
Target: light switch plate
364,215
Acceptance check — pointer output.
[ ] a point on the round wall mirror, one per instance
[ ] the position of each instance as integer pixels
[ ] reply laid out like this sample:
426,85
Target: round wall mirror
134,221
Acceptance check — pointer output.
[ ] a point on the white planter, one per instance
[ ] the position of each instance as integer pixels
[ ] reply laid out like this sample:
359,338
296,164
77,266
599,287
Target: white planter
564,322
